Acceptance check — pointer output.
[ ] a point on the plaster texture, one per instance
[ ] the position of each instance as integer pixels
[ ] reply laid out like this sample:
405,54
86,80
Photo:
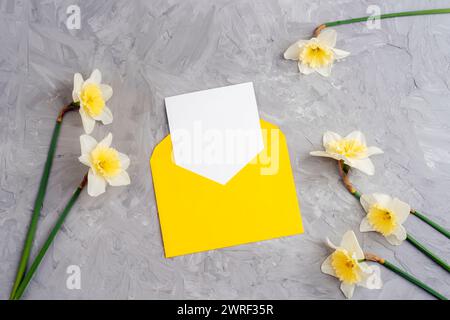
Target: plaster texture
395,87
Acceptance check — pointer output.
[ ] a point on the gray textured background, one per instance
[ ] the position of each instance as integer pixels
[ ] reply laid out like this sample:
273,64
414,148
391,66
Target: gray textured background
395,87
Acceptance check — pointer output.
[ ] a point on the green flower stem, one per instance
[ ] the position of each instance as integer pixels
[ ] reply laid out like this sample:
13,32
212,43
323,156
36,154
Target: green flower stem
343,172
405,275
29,275
381,16
40,198
413,280
427,252
430,222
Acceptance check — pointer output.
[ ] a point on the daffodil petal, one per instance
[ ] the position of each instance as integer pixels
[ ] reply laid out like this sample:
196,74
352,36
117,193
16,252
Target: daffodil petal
304,68
105,117
84,159
365,268
75,97
340,54
77,81
324,71
365,225
106,142
392,239
401,209
107,91
327,268
367,201
328,37
87,144
96,184
326,155
293,51
77,84
330,137
347,290
371,151
382,199
364,165
88,122
400,233
350,243
371,277
330,244
358,136
96,77
124,161
122,179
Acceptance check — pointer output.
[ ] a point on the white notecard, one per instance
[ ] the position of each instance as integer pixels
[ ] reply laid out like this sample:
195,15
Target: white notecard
216,132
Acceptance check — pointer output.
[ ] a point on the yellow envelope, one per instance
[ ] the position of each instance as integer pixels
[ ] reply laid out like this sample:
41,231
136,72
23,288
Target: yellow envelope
198,214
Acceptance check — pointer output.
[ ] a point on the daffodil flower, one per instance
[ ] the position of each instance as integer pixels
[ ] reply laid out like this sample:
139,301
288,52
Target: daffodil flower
352,149
346,264
92,96
107,165
385,215
317,54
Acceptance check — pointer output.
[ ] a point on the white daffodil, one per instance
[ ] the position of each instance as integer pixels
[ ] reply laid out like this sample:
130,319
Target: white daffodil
346,264
317,54
352,149
92,96
385,215
107,165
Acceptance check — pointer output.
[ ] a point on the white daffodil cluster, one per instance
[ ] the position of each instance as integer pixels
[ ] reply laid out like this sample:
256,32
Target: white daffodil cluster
385,215
106,164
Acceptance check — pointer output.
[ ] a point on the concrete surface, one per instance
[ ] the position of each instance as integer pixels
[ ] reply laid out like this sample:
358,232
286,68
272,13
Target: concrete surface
395,87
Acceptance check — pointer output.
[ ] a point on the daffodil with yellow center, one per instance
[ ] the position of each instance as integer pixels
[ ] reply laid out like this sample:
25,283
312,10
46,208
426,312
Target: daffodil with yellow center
105,161
92,100
347,264
349,148
383,220
92,96
385,215
352,149
317,54
346,267
107,165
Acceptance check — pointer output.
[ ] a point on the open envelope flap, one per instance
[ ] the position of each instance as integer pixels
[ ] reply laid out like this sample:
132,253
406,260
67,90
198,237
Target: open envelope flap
198,214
